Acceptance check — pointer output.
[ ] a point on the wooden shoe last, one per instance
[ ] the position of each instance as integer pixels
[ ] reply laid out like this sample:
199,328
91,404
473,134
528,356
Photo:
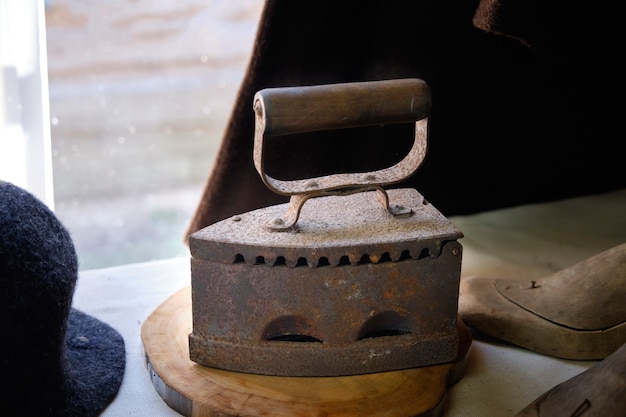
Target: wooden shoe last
600,391
576,313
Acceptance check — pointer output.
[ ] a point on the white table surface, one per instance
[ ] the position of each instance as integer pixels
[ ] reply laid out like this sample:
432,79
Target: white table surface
522,242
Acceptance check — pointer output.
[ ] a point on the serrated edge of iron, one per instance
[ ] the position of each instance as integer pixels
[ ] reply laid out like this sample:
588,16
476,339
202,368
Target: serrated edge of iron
312,257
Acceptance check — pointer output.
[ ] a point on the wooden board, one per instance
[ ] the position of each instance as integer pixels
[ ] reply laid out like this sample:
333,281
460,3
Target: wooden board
198,391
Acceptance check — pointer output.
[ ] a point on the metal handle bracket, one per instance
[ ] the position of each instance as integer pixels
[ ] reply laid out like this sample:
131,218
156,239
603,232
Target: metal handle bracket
290,110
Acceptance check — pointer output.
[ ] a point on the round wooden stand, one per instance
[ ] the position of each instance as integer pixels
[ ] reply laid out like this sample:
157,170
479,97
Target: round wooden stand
195,390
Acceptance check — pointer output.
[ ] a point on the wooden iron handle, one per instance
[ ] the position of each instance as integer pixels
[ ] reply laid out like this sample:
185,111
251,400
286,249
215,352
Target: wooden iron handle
290,110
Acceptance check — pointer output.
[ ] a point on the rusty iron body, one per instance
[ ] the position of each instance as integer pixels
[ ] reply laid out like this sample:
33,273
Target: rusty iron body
340,286
352,291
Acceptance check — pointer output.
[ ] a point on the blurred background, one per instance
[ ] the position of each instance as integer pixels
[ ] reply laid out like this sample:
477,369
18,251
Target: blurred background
140,92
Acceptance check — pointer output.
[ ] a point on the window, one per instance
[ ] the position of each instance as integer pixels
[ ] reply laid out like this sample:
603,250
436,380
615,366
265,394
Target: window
139,96
24,129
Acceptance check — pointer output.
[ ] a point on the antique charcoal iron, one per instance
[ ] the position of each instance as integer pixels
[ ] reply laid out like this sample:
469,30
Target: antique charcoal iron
358,280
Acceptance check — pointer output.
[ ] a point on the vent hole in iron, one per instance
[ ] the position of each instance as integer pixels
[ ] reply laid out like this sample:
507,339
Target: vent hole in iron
239,259
384,332
344,260
302,262
425,253
302,338
291,329
389,323
405,255
323,261
260,260
280,261
365,259
385,258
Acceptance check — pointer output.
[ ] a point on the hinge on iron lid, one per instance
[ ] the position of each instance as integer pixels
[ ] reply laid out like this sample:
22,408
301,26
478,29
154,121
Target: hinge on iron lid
296,201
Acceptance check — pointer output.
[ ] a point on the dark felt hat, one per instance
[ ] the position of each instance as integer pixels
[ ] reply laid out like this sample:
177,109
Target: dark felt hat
54,359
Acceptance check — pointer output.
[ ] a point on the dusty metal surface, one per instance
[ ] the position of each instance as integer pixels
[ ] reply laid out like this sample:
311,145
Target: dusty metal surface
332,227
351,290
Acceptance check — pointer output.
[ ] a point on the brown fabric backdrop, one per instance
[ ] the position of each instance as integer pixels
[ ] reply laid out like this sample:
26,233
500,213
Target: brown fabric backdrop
522,108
